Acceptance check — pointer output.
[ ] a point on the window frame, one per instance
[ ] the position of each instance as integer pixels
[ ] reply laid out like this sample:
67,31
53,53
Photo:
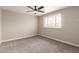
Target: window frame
53,15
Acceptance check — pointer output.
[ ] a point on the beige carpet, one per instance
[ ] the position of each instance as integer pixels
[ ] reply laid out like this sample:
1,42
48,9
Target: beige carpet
37,44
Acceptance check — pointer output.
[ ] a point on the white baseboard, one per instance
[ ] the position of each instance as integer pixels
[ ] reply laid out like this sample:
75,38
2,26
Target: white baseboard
61,40
17,38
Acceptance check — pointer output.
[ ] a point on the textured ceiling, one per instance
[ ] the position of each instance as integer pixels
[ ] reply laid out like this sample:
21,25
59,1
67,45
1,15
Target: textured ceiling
23,9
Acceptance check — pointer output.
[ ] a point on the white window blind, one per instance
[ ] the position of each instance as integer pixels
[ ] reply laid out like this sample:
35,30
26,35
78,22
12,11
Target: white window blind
52,21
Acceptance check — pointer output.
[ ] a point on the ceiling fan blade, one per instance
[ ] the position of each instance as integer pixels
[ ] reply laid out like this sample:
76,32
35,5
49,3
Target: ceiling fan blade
41,7
41,11
30,7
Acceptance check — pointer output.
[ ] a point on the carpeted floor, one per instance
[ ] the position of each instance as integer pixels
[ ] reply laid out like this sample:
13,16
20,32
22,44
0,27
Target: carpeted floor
37,44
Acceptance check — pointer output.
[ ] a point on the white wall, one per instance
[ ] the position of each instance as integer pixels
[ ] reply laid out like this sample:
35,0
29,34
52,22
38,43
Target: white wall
70,26
17,25
0,26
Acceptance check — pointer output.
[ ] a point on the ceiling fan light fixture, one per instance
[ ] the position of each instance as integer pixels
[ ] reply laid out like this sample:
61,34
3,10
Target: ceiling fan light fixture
35,12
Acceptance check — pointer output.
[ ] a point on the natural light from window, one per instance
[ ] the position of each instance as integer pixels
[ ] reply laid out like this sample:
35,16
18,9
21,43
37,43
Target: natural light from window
52,21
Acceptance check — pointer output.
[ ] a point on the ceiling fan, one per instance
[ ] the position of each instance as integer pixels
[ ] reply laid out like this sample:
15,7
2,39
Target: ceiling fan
36,9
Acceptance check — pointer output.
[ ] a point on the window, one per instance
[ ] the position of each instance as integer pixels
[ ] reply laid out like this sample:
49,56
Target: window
52,21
